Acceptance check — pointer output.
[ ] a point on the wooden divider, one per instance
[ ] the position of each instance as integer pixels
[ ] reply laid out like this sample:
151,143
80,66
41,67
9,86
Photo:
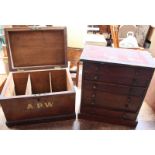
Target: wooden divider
69,81
38,82
28,90
50,81
10,89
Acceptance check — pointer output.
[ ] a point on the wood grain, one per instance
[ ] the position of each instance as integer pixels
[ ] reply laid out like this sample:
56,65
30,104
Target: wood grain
113,90
42,48
37,92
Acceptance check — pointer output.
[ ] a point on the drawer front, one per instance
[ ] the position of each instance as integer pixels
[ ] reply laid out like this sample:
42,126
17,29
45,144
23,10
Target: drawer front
109,113
117,74
111,101
142,81
91,67
113,88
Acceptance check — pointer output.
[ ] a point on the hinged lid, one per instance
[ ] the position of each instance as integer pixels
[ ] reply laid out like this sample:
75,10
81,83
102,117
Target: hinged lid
41,48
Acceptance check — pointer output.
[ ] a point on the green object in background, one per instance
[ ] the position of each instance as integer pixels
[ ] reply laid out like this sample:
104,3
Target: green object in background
2,40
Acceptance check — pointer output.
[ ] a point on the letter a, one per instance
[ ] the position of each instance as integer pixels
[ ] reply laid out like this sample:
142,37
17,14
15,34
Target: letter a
29,106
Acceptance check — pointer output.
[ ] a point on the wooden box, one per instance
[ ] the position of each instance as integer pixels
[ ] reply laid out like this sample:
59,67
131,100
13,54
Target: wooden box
40,87
114,83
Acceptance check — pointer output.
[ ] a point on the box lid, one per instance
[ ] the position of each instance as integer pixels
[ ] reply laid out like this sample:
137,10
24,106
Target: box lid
117,56
39,48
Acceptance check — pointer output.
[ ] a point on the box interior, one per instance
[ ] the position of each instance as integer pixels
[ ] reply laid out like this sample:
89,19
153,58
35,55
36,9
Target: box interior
27,48
38,82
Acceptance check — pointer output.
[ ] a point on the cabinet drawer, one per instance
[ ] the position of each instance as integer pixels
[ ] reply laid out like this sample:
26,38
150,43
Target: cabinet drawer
92,67
117,74
109,113
126,71
142,81
113,88
111,101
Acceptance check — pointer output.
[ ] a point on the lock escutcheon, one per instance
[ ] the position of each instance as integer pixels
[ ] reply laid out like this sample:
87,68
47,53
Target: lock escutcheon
92,103
124,116
93,96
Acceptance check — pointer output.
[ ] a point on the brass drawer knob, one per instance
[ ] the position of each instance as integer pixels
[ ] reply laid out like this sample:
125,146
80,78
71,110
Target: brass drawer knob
97,68
92,103
95,77
125,116
93,95
94,87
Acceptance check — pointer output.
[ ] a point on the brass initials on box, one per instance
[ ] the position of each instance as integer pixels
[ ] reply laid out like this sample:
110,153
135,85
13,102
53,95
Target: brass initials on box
29,106
40,105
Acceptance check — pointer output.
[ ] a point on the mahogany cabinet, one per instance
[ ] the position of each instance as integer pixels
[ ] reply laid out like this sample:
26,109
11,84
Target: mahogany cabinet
114,83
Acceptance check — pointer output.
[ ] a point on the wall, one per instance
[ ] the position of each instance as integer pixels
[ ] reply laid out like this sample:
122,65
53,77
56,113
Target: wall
75,34
152,39
150,95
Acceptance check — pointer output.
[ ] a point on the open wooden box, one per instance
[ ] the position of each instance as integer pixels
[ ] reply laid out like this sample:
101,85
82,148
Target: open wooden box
39,88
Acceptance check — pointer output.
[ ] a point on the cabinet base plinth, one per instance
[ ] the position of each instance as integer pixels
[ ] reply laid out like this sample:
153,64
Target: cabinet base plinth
117,121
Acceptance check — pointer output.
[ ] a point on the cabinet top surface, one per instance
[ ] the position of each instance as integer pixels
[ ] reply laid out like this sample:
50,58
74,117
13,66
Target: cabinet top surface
117,56
30,48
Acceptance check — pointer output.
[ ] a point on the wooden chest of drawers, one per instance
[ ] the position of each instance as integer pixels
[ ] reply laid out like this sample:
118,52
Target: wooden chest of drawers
114,84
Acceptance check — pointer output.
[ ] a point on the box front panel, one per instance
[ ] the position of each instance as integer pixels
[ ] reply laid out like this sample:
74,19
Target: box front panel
38,107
